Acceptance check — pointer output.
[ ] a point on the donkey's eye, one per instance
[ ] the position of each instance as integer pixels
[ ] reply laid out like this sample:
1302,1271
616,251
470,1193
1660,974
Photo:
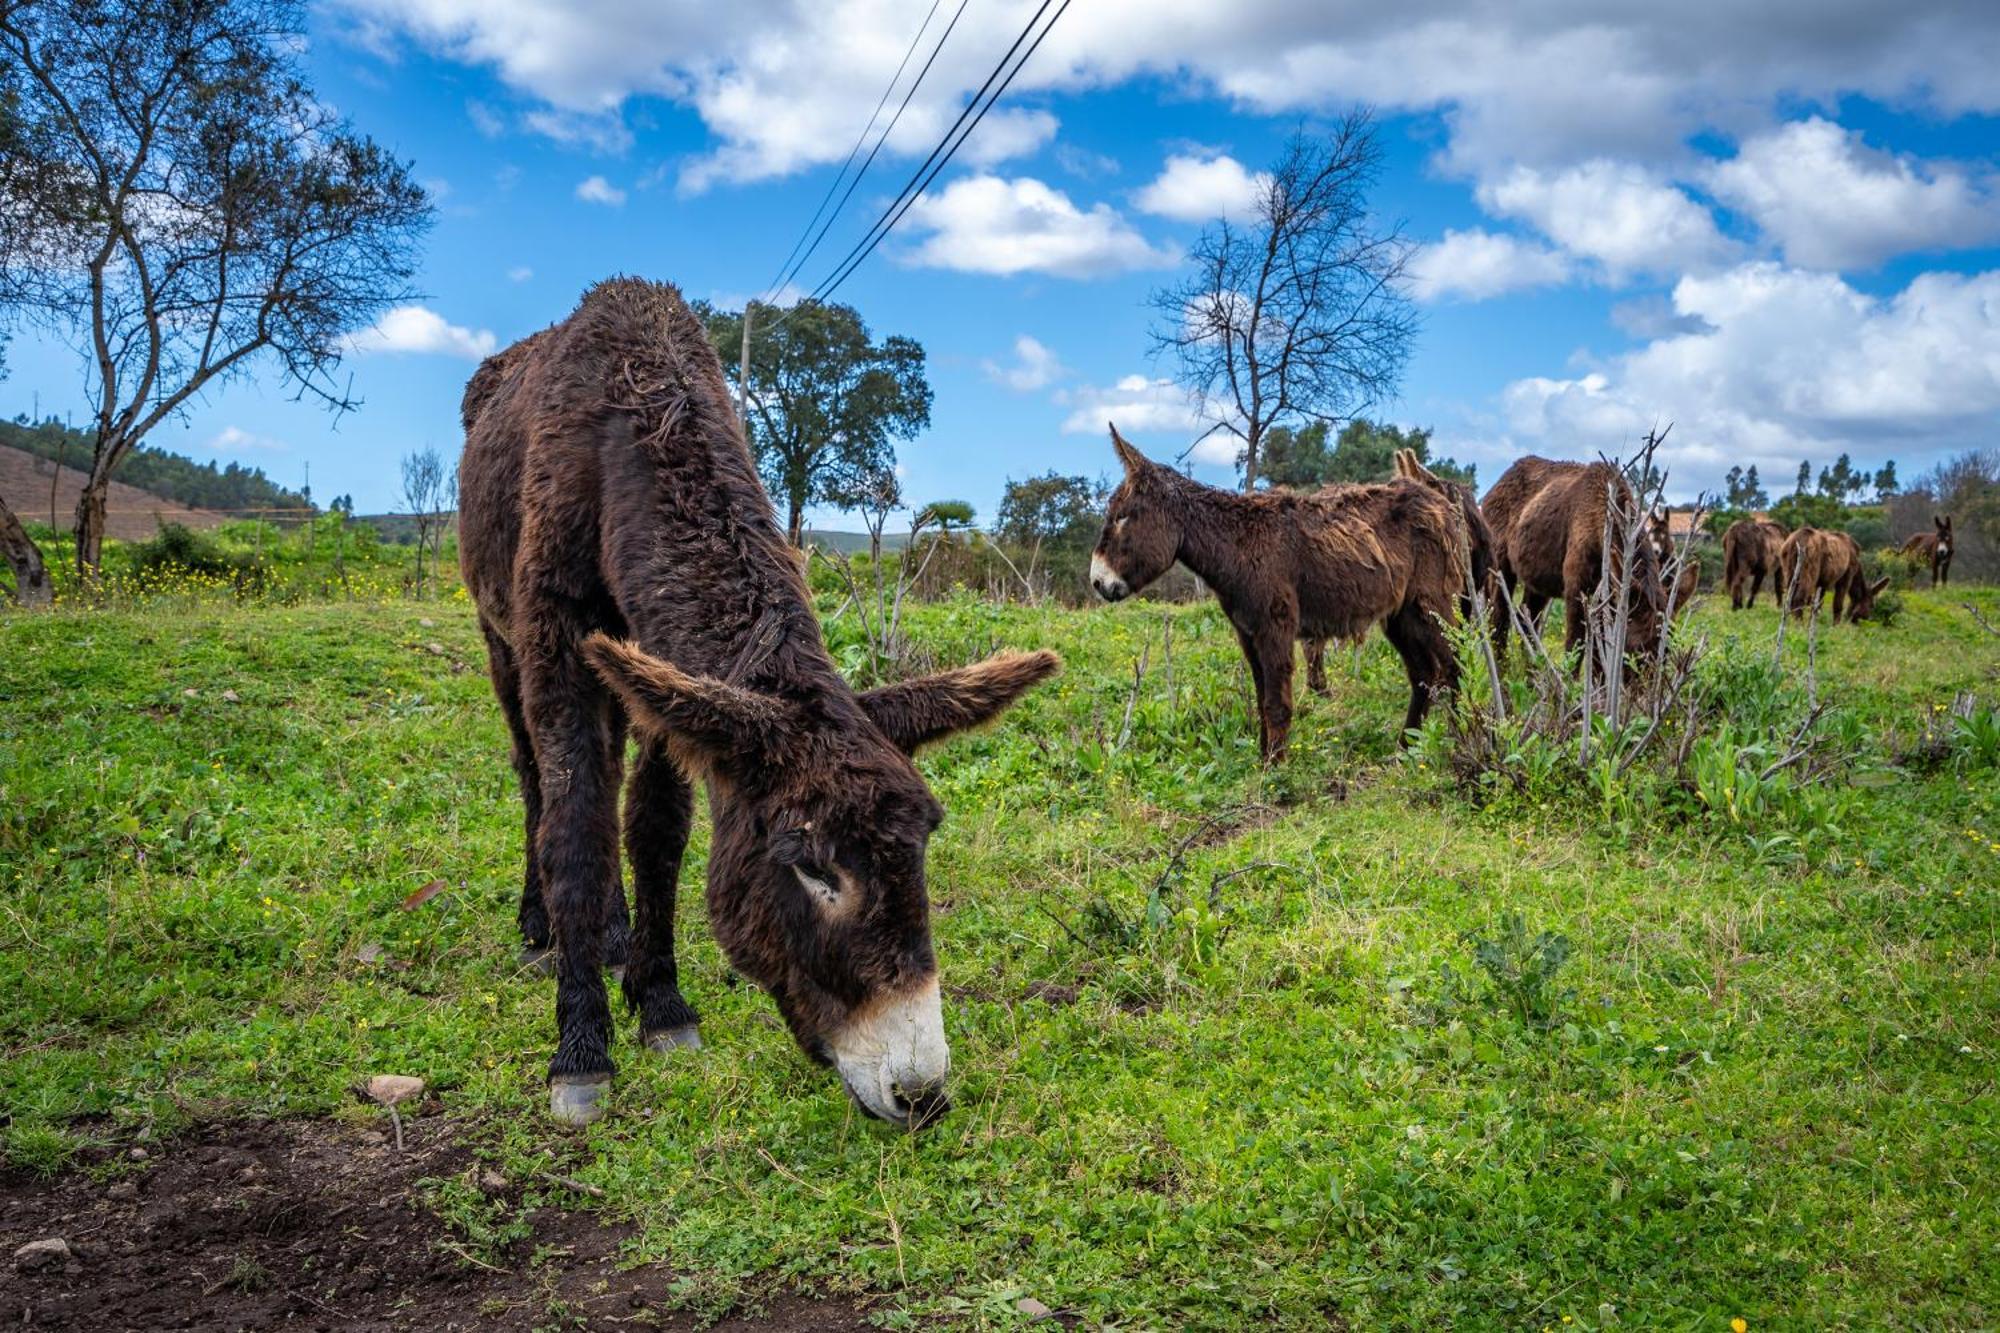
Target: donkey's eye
820,890
1118,524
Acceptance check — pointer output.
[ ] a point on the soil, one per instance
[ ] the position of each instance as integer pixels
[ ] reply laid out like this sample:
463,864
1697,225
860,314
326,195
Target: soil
321,1225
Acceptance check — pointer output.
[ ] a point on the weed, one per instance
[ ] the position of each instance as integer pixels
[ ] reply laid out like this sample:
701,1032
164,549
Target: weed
1523,970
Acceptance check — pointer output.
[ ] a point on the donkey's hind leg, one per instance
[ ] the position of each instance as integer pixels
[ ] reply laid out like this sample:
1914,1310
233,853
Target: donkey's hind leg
1316,667
533,913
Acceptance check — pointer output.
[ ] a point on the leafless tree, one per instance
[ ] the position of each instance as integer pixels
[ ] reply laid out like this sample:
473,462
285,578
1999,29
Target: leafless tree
181,204
424,493
1297,314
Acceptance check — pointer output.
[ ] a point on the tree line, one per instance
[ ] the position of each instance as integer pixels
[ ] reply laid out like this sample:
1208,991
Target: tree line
166,474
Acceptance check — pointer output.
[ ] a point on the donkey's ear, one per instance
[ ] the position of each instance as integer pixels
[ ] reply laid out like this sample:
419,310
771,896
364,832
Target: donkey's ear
706,723
913,713
1134,461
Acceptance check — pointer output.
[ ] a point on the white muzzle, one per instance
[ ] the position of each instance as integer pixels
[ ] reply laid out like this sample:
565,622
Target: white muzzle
893,1057
1105,579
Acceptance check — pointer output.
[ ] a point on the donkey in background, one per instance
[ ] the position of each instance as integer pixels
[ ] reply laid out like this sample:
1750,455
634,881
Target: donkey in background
1287,566
1749,556
1814,562
1933,549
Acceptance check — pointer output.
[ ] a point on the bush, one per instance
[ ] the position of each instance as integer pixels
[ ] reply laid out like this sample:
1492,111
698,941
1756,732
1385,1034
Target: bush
179,552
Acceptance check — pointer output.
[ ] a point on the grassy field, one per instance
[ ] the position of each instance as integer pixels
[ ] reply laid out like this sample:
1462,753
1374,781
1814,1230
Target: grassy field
1229,1044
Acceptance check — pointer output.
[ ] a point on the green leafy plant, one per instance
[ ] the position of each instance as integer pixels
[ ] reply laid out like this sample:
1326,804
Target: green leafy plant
1523,970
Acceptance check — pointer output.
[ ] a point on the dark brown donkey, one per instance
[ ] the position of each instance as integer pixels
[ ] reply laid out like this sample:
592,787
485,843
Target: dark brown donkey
628,571
1287,566
1547,520
1749,556
1814,562
1933,549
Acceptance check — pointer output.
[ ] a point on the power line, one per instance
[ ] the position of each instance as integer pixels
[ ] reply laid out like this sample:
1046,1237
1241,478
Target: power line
788,270
928,170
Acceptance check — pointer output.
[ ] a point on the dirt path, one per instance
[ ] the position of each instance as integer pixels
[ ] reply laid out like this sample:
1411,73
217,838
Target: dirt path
317,1225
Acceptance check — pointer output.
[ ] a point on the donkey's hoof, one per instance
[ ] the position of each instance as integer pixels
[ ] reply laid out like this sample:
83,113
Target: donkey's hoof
580,1103
539,958
665,1040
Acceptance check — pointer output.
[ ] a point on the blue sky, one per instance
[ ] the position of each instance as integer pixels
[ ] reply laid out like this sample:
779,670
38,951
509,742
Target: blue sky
1774,225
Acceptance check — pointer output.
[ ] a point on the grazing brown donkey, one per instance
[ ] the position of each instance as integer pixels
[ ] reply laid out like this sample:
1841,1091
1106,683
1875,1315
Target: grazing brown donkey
1932,548
628,571
1547,520
1749,556
1814,562
1285,566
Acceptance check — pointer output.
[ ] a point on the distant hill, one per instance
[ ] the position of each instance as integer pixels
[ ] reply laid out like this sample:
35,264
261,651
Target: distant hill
160,472
131,514
854,543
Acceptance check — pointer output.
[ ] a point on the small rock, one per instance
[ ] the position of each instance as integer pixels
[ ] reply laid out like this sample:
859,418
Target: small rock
138,1154
428,623
435,649
190,693
123,1191
368,953
491,1181
51,1252
230,696
389,1089
374,1137
1034,1309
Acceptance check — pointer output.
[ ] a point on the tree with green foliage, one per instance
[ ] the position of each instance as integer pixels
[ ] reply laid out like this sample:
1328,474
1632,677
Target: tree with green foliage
189,207
1885,482
1744,490
1051,512
825,401
1364,451
1841,481
1805,477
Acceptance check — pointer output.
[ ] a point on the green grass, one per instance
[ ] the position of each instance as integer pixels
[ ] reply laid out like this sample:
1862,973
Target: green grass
1268,1080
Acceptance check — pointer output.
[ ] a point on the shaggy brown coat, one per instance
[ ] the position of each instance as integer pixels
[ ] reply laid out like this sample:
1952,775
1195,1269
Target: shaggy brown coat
1933,549
628,569
1287,566
1547,520
1750,555
1814,562
1478,546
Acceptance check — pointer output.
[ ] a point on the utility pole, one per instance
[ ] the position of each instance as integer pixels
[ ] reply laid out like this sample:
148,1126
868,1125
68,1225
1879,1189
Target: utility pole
743,375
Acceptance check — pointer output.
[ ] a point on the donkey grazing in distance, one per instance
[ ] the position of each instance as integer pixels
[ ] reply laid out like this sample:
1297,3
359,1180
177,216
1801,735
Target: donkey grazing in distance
628,572
1750,555
1548,522
1814,562
1287,566
1933,549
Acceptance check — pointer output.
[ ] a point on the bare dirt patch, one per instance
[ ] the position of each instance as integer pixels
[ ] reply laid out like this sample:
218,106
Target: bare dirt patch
315,1225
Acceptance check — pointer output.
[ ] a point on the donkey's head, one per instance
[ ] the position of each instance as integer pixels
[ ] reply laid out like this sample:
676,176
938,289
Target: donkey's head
1942,522
1861,604
816,873
1142,526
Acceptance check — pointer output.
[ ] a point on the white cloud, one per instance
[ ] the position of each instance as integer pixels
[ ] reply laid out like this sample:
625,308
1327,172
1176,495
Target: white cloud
1201,189
236,440
485,119
1034,367
414,328
598,131
1006,133
782,85
1619,214
1829,201
1142,405
597,190
987,224
1476,264
520,273
1787,364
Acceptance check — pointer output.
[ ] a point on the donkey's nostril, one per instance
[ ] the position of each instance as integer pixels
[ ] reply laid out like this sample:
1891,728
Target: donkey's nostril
921,1106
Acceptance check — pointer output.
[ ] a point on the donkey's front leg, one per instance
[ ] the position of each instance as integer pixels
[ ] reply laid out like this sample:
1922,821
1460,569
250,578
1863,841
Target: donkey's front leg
659,811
